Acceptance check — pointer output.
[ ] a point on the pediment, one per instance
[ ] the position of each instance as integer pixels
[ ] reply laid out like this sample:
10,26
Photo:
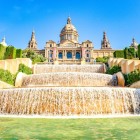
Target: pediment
67,43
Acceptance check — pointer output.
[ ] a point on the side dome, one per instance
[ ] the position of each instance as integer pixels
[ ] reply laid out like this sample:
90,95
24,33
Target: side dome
4,42
69,32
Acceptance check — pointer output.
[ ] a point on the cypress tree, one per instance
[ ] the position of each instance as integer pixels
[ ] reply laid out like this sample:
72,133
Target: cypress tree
139,51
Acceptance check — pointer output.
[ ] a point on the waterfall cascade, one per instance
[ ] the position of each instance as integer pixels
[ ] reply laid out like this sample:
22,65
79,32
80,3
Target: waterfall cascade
68,90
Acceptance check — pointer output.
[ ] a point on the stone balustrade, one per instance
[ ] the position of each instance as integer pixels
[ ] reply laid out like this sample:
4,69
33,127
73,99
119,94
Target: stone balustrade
127,65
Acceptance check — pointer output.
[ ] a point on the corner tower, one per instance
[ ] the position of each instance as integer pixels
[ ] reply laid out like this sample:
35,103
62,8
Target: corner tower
105,44
32,43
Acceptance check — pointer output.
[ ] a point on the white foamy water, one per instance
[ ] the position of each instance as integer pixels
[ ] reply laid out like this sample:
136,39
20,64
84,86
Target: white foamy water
69,79
97,68
70,101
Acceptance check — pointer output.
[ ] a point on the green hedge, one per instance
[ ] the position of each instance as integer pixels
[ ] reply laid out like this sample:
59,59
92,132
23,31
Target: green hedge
113,70
119,54
7,77
25,69
10,52
129,53
2,51
18,53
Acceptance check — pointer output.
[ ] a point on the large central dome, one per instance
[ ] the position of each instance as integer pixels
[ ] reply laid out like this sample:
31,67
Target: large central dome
69,32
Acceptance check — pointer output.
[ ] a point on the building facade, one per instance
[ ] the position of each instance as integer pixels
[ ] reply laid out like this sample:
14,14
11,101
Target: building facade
69,50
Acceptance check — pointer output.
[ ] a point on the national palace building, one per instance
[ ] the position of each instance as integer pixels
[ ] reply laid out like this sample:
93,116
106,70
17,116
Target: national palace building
69,50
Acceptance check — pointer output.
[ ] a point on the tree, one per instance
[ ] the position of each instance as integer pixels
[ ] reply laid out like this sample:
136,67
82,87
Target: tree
33,56
139,51
126,53
2,51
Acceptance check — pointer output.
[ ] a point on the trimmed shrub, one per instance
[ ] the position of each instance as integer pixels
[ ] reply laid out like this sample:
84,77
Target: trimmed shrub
10,52
126,53
2,51
119,54
7,77
25,69
18,53
129,53
113,70
136,54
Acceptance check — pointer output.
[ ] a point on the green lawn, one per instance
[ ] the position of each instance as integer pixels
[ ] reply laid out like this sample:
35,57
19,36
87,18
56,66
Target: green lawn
70,129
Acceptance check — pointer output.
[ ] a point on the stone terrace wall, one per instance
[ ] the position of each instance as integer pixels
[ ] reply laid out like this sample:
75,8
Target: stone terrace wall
12,65
5,85
127,65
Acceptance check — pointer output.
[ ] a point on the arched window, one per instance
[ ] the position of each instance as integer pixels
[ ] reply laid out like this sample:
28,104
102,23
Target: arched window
87,55
87,45
77,55
87,51
60,55
50,45
69,55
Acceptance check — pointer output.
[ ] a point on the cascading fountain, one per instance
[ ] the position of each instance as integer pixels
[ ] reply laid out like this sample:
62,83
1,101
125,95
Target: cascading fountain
98,68
68,101
69,92
69,79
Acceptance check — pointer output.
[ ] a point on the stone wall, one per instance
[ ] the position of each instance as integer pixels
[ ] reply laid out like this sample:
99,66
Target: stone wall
102,53
127,65
5,85
12,65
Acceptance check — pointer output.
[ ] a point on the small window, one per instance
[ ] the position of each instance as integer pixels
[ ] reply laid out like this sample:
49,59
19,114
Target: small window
50,45
87,55
87,45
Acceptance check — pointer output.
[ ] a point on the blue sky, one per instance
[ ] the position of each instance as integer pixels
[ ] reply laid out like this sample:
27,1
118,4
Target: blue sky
119,18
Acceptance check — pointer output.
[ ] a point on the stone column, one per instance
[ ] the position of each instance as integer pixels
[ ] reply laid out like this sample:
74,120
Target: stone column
83,52
63,54
54,53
